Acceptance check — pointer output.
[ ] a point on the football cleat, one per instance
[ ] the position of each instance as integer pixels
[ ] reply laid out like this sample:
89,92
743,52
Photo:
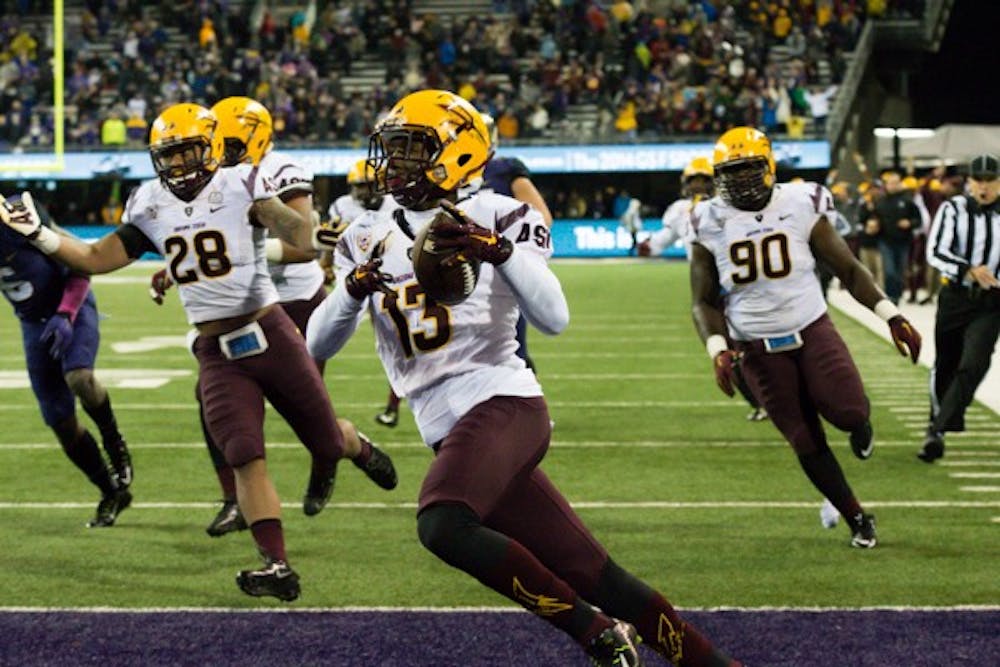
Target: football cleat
319,491
388,418
275,579
933,448
617,646
758,414
861,441
121,461
379,468
228,520
110,507
863,531
828,514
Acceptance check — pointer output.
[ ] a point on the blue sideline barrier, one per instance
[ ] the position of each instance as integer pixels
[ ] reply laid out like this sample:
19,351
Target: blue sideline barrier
602,237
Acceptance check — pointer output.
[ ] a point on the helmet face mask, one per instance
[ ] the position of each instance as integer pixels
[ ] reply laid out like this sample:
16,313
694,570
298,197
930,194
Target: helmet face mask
362,182
431,143
745,184
185,149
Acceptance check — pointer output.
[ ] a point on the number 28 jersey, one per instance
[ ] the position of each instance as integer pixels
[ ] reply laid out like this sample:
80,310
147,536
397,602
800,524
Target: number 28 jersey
766,266
213,252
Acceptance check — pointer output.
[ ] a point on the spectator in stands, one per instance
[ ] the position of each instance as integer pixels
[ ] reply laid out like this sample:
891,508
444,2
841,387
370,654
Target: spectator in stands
113,130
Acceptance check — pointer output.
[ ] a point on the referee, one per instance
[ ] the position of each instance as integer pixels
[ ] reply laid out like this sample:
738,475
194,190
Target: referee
964,245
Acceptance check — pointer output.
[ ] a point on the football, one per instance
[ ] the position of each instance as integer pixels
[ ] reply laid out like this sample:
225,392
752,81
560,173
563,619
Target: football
445,274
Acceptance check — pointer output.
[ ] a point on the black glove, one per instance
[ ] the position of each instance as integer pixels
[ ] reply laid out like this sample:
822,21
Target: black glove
475,241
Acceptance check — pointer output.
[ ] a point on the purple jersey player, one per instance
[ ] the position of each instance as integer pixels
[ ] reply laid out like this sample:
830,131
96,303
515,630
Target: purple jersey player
58,315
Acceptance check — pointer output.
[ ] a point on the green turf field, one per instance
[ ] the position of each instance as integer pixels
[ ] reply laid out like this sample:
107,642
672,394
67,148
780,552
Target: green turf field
709,508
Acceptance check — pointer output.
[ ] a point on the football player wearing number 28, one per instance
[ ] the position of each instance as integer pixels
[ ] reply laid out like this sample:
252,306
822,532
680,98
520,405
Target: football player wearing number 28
485,506
755,244
198,216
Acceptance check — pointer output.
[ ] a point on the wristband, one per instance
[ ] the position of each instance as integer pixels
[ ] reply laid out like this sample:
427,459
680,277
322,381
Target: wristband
274,251
47,240
716,344
886,310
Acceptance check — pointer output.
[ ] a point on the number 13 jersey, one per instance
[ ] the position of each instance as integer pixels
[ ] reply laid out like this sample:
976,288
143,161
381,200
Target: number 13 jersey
766,266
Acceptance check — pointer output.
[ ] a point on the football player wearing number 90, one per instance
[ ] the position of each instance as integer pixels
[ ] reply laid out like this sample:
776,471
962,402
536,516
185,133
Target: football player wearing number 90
485,506
754,249
211,224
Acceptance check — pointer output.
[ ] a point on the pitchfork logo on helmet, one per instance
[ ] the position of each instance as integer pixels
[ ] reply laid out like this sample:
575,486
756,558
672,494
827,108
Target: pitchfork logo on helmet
432,142
245,125
186,149
744,168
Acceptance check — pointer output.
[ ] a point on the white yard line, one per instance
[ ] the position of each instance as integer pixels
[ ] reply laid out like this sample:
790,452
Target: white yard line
584,504
953,452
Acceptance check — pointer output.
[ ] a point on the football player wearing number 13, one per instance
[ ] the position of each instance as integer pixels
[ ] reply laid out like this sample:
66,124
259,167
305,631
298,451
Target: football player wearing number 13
485,506
756,244
199,215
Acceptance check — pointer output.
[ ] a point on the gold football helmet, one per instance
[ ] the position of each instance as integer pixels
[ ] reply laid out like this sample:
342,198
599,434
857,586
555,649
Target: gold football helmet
744,168
361,180
696,179
186,148
432,142
245,125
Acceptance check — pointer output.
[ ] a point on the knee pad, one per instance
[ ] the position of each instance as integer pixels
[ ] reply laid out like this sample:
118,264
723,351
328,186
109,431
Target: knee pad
438,526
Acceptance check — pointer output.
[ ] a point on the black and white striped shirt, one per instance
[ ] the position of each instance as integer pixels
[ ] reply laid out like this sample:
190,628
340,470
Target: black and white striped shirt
964,235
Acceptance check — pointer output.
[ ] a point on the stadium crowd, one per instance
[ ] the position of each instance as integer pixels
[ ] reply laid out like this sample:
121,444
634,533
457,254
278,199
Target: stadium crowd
654,68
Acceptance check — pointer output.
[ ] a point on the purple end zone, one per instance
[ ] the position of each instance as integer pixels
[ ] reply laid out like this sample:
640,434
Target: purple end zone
428,639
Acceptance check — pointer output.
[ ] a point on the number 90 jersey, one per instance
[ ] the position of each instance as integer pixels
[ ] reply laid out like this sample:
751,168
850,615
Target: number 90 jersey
213,252
421,342
766,266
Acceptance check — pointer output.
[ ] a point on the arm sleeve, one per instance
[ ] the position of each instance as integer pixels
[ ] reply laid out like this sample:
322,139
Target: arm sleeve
333,323
537,290
942,244
74,293
135,241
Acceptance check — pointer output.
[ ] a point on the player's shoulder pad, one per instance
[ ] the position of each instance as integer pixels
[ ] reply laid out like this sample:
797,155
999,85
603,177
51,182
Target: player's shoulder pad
808,196
285,173
141,201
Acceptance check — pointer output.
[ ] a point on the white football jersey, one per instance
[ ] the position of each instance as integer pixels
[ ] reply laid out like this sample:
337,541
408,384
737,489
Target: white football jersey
676,225
447,359
766,267
213,253
301,280
348,209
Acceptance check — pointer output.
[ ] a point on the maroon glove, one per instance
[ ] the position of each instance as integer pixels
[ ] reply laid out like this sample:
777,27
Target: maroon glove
366,278
159,283
905,336
644,248
475,241
725,363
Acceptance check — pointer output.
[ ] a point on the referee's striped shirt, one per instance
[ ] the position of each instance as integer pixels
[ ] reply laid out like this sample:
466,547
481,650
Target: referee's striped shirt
964,235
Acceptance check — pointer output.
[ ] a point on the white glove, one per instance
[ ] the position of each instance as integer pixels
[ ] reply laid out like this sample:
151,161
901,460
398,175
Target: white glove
22,216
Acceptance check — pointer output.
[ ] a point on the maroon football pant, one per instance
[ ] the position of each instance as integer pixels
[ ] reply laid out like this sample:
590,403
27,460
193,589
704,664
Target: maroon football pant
489,461
301,311
233,393
796,387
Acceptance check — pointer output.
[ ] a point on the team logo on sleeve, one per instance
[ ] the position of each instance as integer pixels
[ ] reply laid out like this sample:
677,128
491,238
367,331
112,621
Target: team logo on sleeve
151,212
364,241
